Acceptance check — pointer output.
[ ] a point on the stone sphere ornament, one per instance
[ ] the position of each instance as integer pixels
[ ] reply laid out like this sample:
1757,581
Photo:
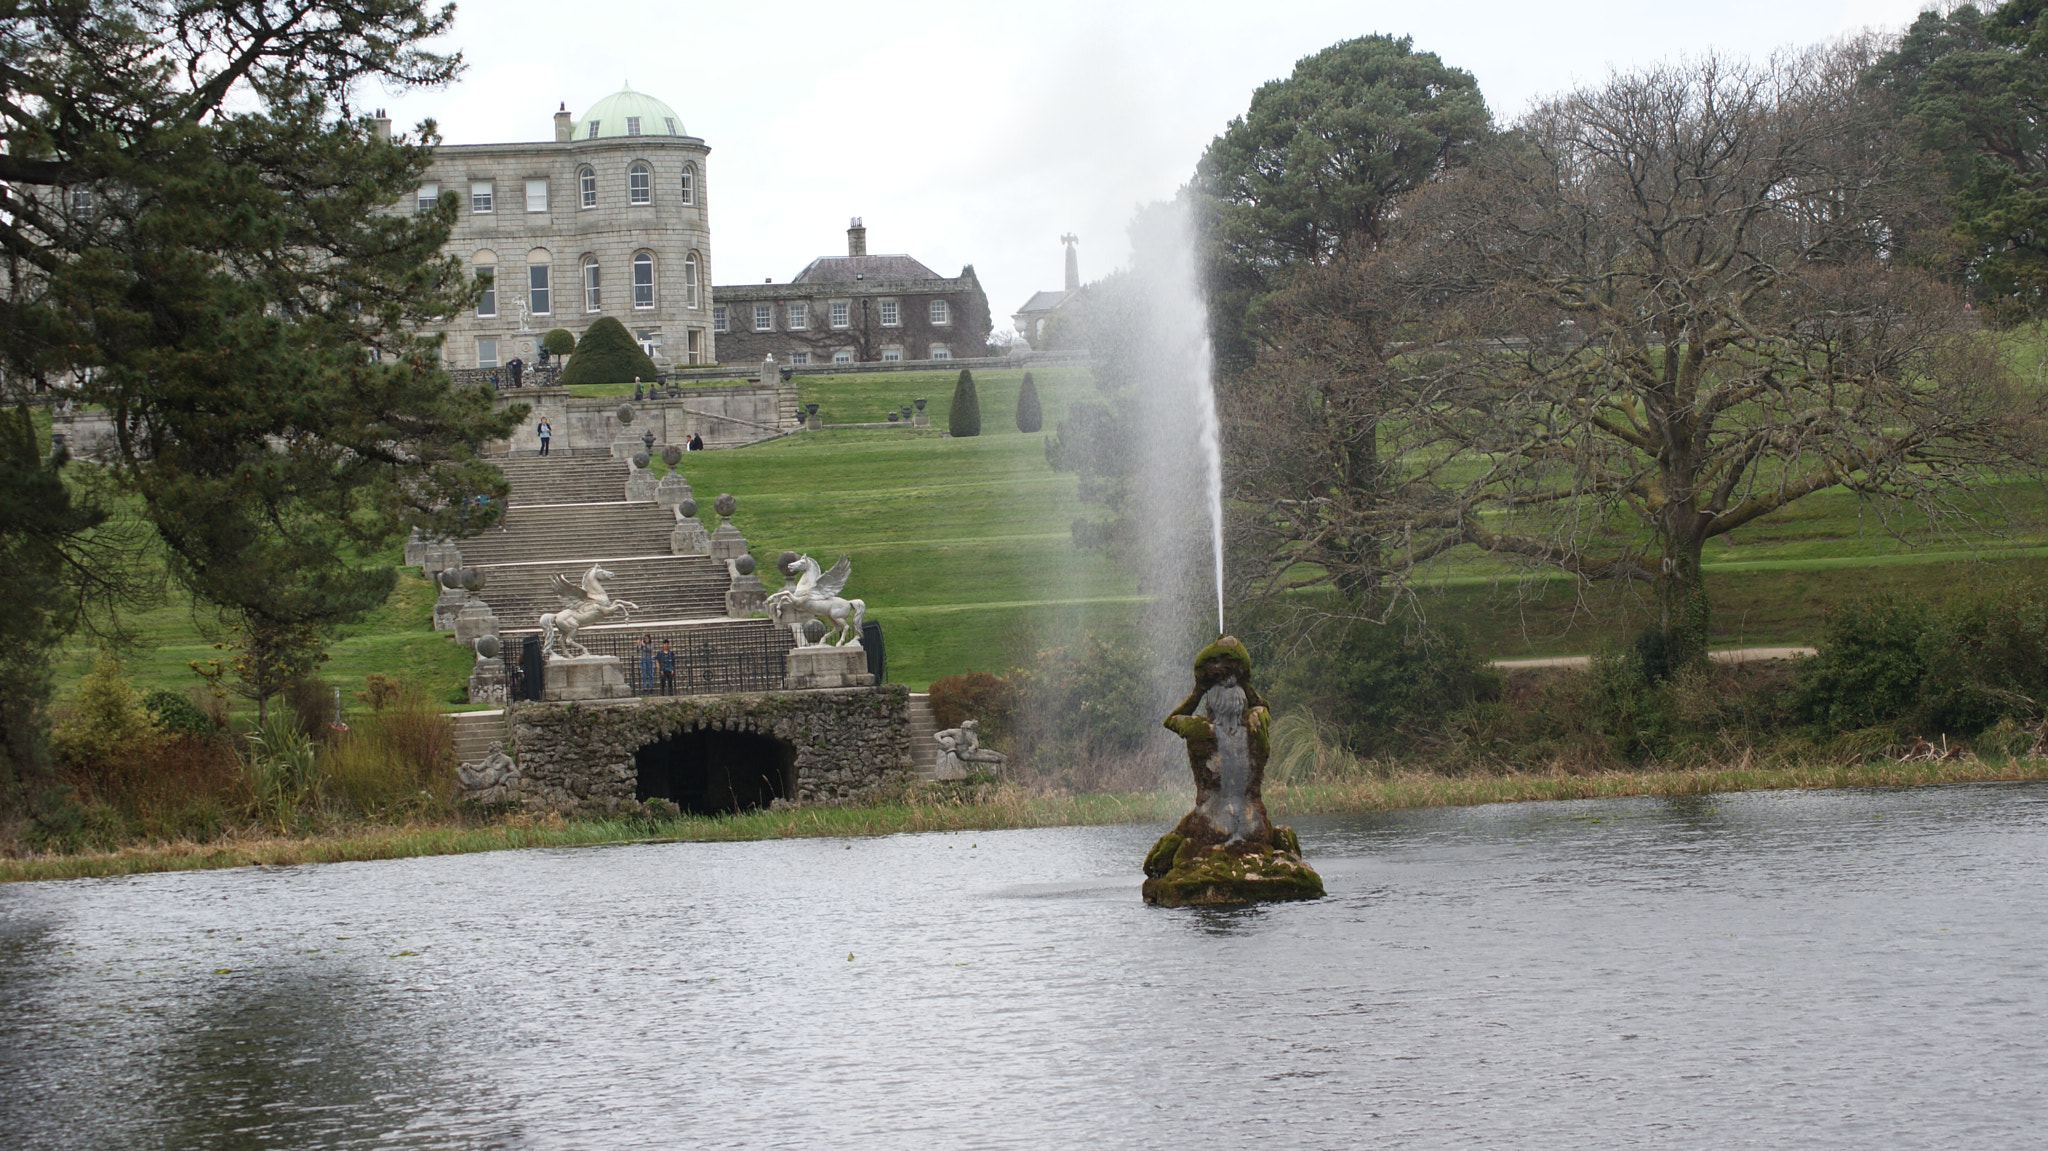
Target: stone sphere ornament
783,563
1227,850
487,646
688,508
671,455
477,579
450,578
625,413
814,631
725,505
744,565
640,461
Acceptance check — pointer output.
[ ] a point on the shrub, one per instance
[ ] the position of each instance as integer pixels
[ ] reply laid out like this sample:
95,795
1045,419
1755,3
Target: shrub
965,418
313,705
175,714
608,354
1379,687
975,695
281,767
108,732
1029,417
1868,665
398,759
558,341
1089,696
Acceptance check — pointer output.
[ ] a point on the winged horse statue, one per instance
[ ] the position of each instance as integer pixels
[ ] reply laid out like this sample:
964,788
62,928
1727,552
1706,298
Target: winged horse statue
816,596
580,605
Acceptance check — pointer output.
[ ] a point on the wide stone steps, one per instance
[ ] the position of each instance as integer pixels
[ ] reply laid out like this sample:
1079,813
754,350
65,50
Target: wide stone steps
664,587
565,480
569,532
924,749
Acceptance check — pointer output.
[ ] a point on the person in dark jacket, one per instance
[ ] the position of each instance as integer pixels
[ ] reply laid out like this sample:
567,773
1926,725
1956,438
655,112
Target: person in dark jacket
667,660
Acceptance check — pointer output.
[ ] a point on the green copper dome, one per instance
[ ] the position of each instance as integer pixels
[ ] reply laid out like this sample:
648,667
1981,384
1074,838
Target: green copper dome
627,113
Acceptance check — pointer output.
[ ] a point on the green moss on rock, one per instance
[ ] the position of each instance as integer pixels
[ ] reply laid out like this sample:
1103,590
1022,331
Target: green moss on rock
1180,874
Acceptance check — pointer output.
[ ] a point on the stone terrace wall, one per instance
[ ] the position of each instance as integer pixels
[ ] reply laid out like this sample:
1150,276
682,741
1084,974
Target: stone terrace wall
579,757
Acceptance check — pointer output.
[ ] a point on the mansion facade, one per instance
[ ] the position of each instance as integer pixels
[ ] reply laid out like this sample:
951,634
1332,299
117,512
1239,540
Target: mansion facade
607,219
854,309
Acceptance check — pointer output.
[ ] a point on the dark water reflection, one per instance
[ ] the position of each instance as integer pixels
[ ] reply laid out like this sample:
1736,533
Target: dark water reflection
1771,970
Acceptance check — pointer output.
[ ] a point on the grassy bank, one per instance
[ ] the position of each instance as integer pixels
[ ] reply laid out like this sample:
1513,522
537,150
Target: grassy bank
936,809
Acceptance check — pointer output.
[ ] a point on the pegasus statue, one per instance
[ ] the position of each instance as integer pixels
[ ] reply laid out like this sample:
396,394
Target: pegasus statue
581,605
815,595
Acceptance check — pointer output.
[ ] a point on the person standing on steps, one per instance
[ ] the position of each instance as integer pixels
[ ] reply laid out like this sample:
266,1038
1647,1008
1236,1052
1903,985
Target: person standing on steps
545,430
667,660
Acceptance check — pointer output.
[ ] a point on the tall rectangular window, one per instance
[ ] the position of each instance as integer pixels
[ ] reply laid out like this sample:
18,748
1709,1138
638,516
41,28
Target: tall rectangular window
890,316
592,135
840,313
640,184
799,316
632,125
587,184
671,122
643,280
480,196
941,314
487,351
764,317
718,317
593,299
696,349
536,195
487,304
537,289
427,196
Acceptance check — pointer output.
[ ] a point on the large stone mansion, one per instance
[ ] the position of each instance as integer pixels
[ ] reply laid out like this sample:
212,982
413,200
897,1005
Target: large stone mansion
612,218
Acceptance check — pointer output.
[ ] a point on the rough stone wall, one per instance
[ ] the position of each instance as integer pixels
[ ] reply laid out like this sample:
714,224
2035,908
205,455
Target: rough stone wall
579,757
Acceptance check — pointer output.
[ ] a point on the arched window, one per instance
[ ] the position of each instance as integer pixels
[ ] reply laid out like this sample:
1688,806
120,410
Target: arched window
539,291
592,301
643,279
690,281
639,184
586,183
486,263
689,183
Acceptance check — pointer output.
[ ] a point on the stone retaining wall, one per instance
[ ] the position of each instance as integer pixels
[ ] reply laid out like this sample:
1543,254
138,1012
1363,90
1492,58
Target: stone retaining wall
579,757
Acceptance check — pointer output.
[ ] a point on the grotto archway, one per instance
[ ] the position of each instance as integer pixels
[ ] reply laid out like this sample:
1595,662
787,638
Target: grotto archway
707,772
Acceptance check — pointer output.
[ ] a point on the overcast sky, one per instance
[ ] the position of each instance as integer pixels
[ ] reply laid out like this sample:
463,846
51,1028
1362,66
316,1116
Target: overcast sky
976,134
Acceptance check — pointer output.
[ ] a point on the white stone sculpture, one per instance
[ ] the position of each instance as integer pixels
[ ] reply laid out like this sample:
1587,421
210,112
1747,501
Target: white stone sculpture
490,781
816,596
580,606
960,747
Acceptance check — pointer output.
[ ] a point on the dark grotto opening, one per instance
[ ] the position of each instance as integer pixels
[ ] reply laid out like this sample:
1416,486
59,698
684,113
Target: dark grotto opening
707,772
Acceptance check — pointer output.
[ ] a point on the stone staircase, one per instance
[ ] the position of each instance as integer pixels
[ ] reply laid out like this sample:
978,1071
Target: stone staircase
665,587
565,479
475,732
924,750
532,533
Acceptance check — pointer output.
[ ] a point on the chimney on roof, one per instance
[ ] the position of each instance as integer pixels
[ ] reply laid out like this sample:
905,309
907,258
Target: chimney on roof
563,122
381,124
856,238
1073,260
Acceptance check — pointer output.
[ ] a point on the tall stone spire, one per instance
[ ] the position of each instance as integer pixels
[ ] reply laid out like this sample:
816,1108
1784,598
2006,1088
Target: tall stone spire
1073,261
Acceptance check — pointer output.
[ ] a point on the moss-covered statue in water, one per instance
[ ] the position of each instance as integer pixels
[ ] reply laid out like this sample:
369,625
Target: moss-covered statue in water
1226,850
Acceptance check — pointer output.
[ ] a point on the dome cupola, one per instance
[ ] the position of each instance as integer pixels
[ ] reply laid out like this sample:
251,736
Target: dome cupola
627,113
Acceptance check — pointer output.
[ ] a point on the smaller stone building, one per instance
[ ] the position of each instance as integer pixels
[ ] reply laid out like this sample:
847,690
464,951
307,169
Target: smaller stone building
853,309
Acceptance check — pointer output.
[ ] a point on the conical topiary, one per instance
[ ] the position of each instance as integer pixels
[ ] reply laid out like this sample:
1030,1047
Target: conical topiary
607,354
1029,418
965,418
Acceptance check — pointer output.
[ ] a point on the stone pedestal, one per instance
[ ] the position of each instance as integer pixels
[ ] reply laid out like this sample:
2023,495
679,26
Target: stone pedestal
727,543
672,490
448,606
584,677
415,549
641,485
814,424
488,682
474,621
744,595
921,420
828,665
624,448
438,556
689,538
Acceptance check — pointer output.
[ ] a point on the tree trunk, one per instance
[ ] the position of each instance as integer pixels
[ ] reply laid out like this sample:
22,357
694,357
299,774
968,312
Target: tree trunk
1682,603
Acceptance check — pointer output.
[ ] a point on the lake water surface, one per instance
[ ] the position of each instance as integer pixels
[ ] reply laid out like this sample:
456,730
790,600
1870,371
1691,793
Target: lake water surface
1820,969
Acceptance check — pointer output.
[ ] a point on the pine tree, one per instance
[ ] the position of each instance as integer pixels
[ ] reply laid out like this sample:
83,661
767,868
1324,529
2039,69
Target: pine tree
608,354
1029,417
965,417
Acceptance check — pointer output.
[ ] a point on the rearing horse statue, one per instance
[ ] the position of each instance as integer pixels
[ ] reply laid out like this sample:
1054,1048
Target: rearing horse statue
580,605
816,596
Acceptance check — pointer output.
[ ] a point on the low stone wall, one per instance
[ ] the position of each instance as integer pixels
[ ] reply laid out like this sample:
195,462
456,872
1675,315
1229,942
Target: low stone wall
579,757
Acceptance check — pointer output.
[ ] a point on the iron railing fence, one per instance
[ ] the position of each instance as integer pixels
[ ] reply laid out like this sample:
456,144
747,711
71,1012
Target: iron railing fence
707,660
